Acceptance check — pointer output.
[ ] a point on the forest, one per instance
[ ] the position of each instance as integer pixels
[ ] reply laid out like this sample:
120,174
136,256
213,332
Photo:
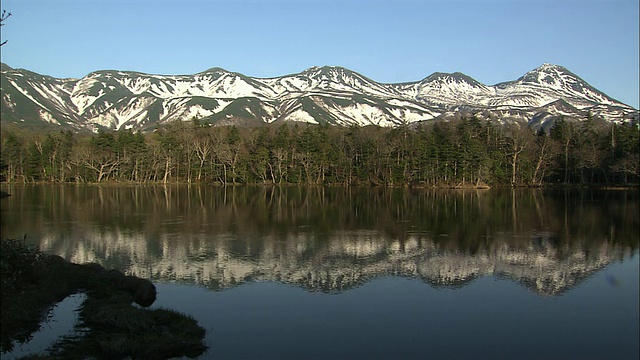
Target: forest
456,154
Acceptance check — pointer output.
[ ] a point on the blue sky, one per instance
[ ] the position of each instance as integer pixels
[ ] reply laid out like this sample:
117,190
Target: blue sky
388,41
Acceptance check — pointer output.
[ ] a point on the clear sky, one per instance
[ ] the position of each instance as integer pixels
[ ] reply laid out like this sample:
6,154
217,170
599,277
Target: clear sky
388,41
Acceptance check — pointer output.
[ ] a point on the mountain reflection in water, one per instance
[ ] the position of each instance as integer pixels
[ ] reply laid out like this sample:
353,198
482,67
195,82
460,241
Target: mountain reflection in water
330,239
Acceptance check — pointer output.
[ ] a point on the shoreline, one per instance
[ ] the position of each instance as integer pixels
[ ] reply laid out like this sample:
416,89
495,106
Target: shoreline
110,325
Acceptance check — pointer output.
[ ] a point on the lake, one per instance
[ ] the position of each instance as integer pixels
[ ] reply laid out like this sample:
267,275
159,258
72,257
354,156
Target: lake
370,273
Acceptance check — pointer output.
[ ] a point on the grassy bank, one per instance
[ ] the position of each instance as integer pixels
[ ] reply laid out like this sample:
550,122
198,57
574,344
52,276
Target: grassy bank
110,325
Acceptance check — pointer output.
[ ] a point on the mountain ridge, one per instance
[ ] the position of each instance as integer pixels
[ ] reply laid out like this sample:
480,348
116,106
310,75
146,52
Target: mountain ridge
113,99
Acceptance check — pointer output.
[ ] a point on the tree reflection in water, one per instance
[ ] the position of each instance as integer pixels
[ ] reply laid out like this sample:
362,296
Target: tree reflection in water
330,239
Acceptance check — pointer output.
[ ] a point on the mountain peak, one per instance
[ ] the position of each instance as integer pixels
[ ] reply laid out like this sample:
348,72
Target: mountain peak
325,70
336,74
548,74
550,66
213,70
457,77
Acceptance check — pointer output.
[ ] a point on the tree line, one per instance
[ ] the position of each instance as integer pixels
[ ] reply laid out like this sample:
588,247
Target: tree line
462,153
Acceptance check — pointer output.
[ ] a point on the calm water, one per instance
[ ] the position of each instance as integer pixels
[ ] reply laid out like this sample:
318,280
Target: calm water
363,273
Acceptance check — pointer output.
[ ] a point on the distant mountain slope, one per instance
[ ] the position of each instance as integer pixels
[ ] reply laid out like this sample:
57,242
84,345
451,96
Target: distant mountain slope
117,99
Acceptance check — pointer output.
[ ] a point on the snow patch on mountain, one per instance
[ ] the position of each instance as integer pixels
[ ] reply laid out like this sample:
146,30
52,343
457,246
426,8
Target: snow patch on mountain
136,85
46,116
7,100
198,112
300,115
26,93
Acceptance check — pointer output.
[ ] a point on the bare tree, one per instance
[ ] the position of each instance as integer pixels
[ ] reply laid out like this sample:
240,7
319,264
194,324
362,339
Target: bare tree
4,16
518,139
203,146
543,152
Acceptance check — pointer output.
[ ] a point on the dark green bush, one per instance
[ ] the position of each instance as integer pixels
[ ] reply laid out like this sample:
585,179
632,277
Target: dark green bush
20,264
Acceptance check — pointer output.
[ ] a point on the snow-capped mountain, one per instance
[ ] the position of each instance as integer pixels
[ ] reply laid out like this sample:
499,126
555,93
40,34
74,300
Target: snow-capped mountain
120,99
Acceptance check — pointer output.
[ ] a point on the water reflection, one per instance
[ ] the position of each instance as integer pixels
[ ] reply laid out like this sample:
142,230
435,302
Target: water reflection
330,239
